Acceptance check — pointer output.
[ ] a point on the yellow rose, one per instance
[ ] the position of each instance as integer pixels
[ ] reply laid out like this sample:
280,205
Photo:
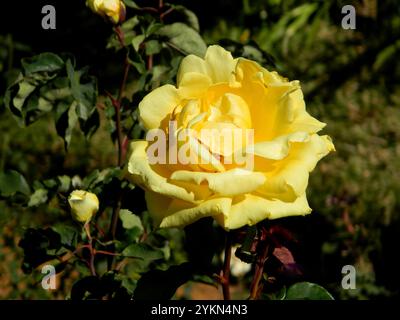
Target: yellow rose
224,94
83,205
113,9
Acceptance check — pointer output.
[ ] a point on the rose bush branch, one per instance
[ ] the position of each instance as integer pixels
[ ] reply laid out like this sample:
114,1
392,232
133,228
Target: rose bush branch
117,103
261,258
225,279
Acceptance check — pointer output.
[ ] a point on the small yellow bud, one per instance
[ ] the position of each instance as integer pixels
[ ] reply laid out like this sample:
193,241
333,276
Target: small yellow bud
114,10
83,205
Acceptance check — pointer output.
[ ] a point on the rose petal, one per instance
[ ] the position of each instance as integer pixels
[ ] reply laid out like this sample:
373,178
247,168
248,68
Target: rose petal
144,175
193,85
180,213
158,105
228,183
289,180
278,148
250,209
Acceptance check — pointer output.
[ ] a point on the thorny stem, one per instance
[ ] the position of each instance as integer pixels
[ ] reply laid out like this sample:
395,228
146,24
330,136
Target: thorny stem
117,106
162,15
263,249
106,253
91,251
149,62
115,215
226,268
118,112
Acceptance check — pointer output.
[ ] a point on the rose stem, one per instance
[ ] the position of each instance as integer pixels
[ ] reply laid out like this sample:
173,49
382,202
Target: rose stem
117,106
227,267
91,261
261,258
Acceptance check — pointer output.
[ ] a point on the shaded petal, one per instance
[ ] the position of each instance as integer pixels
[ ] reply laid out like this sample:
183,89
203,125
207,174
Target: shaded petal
143,174
220,64
290,179
180,213
292,115
193,85
278,148
191,64
158,105
251,209
228,183
156,206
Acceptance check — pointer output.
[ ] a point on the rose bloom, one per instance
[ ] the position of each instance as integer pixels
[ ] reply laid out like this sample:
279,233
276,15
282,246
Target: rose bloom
113,9
223,93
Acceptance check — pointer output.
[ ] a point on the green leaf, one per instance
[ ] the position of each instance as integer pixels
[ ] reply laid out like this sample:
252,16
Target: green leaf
307,291
143,251
38,197
153,28
12,182
44,62
130,220
246,252
66,124
39,245
136,42
91,287
203,278
189,16
183,38
47,84
161,285
65,183
129,24
131,4
386,54
84,90
153,47
136,61
90,126
68,234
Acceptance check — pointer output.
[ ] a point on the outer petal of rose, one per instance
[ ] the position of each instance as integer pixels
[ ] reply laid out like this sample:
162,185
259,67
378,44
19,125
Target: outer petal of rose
250,209
193,85
142,174
278,148
277,110
292,115
157,105
179,213
157,205
218,64
191,64
167,212
228,183
247,70
290,179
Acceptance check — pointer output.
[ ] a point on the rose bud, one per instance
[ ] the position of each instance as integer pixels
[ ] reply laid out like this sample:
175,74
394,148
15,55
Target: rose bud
83,205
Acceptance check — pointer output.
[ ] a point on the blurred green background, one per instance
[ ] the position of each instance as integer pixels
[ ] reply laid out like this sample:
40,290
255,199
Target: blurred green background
350,79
